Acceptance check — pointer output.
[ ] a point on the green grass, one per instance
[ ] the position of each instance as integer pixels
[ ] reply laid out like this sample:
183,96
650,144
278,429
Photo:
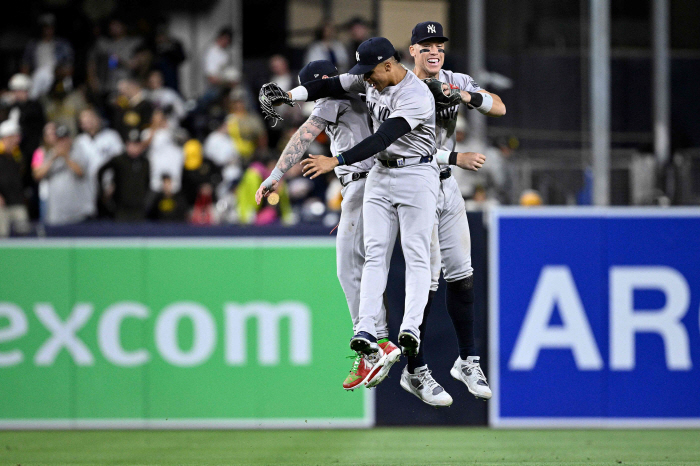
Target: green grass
377,446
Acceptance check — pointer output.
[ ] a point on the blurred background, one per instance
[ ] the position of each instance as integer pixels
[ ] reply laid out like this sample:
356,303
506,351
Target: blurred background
175,84
139,119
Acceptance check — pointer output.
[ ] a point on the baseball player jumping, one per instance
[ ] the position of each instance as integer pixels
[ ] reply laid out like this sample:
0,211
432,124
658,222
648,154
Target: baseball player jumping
401,190
346,121
452,252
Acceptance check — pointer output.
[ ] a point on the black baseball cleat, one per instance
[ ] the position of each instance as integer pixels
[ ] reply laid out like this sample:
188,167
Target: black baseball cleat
364,343
409,342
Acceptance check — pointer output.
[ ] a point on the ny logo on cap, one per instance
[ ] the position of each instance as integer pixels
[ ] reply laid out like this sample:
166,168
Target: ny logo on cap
357,56
379,57
316,75
431,28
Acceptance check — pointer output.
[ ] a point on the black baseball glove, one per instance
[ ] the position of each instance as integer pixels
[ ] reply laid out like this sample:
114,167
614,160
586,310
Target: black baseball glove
442,100
270,96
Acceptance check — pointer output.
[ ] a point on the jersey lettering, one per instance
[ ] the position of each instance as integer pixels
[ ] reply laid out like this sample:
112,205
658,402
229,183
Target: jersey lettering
381,113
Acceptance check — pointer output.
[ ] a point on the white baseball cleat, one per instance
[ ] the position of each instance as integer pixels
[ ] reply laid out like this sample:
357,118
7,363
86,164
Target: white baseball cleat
424,386
470,373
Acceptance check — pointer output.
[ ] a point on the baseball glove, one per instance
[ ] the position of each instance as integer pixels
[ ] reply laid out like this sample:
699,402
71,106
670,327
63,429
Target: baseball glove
443,101
270,96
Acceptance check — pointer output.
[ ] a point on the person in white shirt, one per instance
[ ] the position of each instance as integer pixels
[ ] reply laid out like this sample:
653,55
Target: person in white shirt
165,99
218,57
220,148
97,145
164,155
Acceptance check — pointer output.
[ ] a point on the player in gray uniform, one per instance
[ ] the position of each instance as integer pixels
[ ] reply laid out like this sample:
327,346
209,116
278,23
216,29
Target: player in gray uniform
452,251
402,188
346,121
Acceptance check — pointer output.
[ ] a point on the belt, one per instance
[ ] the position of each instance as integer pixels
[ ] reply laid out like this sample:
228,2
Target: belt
350,177
398,163
446,173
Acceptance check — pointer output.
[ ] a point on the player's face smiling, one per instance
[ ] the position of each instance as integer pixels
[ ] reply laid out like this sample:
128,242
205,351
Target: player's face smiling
429,57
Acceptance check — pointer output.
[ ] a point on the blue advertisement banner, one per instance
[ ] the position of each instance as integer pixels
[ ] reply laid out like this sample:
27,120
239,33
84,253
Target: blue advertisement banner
594,317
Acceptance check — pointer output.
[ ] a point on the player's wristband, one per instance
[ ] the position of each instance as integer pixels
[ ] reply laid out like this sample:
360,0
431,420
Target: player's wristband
299,93
453,158
276,174
341,159
442,157
446,157
481,101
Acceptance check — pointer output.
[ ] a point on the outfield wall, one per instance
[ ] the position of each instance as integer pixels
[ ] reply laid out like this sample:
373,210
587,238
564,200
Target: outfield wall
160,326
174,333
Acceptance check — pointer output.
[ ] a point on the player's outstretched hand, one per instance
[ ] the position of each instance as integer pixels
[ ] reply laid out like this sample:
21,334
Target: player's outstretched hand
470,160
265,190
317,165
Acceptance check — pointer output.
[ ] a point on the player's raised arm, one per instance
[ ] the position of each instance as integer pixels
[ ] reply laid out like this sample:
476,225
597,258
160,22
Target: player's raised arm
485,102
477,98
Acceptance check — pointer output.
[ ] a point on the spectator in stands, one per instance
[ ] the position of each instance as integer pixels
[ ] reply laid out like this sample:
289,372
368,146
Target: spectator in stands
164,155
165,98
69,192
43,55
199,181
218,58
13,212
219,147
327,47
131,174
245,128
63,103
112,58
248,209
98,145
359,32
168,55
131,110
29,114
168,205
38,158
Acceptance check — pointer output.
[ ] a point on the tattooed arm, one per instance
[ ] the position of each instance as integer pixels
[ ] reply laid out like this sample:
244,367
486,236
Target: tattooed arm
292,154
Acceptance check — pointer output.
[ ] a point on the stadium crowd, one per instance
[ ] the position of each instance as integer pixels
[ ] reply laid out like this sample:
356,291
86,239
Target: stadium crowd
125,145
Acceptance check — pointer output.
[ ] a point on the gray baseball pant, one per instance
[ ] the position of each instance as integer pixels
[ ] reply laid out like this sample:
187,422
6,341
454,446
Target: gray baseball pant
451,249
350,253
404,198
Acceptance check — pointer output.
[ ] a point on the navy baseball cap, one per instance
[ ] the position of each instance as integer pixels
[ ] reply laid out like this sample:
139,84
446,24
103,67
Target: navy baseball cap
316,70
427,30
370,53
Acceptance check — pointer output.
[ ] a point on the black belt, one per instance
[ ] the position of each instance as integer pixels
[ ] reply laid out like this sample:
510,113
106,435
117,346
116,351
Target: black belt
446,173
399,163
355,176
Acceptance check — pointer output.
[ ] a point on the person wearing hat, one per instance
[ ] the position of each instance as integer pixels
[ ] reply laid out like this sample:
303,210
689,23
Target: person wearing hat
453,255
132,175
402,188
13,212
69,197
29,113
345,121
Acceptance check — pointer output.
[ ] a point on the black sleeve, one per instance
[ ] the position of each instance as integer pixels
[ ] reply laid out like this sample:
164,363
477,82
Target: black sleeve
388,132
329,87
